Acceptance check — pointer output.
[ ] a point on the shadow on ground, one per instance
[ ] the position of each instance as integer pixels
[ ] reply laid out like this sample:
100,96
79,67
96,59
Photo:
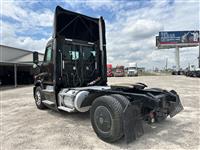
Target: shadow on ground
164,130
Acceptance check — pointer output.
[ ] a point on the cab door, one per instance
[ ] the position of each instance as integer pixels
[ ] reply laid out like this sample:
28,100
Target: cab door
72,69
47,67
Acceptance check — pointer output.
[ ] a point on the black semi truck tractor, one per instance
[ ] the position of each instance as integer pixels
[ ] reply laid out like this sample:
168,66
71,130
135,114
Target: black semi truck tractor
72,78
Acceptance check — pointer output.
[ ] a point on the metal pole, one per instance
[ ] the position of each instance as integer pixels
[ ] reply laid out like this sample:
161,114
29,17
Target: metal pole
199,52
177,58
15,74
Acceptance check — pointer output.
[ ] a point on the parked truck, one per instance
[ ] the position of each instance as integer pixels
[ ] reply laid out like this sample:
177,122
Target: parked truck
132,70
72,78
109,70
119,71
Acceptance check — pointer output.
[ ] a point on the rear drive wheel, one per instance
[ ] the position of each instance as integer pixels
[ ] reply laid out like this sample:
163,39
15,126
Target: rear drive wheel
38,98
121,99
106,118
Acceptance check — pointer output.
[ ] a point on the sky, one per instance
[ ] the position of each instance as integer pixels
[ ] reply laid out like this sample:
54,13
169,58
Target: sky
131,27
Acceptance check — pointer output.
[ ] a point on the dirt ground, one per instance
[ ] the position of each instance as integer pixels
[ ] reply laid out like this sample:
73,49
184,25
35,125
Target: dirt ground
23,126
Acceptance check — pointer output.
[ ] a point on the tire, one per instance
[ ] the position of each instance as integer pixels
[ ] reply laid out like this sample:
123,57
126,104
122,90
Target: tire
106,118
38,98
121,99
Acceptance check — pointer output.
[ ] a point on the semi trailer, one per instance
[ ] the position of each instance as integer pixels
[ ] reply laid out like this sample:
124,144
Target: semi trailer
73,78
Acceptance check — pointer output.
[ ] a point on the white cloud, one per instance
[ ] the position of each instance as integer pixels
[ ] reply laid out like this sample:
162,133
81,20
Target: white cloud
142,28
99,4
20,13
26,22
184,15
25,42
93,4
13,10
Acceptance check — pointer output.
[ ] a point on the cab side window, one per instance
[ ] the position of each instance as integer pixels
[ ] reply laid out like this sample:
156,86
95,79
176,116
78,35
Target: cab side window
48,55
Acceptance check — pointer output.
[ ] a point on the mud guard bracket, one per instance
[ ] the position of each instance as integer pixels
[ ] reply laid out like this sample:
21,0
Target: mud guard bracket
132,123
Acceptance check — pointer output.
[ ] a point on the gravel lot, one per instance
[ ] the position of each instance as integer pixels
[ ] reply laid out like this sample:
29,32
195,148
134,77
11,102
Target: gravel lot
23,126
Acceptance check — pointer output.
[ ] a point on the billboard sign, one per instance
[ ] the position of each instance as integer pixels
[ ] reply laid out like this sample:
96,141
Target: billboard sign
169,39
176,37
166,46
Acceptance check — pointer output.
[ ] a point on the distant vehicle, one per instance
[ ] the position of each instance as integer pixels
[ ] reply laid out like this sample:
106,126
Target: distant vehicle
180,72
109,70
197,72
132,70
192,71
119,72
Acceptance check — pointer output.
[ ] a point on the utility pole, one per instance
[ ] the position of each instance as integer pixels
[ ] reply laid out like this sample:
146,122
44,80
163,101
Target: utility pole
15,74
199,51
166,64
177,57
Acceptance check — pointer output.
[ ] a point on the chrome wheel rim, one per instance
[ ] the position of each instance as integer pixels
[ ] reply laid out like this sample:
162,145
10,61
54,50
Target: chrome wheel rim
38,98
103,119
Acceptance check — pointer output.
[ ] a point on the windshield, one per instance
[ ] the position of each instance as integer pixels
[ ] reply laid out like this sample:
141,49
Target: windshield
131,68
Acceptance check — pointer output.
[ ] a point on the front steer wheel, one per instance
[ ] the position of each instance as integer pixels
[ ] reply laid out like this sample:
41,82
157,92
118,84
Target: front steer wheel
38,98
106,118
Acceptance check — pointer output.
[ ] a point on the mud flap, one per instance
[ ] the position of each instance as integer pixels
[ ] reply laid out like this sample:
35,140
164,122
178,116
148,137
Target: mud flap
175,107
132,123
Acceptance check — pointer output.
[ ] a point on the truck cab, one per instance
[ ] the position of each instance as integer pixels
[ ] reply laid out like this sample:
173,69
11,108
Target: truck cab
109,70
78,64
119,71
132,69
73,78
75,56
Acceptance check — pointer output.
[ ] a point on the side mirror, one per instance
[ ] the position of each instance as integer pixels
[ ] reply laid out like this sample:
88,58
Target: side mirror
35,58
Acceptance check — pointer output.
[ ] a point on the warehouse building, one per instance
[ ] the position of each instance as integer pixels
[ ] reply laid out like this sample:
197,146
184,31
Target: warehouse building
16,66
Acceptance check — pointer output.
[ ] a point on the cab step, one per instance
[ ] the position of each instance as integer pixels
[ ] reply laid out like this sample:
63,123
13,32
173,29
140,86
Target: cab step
48,89
66,109
48,102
